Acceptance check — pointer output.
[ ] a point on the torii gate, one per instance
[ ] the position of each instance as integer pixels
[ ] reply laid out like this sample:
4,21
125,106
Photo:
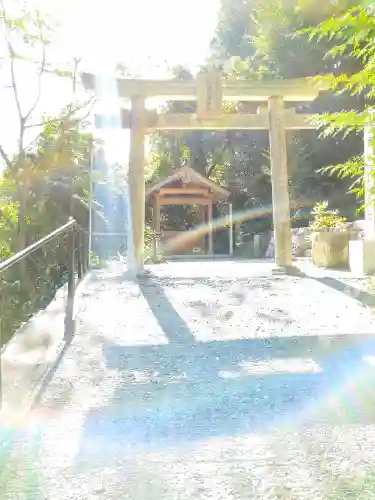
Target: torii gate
209,90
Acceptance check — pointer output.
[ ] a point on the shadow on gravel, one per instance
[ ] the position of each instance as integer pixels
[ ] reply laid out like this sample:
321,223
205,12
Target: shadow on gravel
175,395
184,391
365,298
174,327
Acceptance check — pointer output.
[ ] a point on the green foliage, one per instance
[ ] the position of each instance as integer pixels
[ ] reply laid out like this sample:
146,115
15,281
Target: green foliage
8,219
232,36
352,35
243,69
275,23
324,218
360,486
352,169
52,196
45,180
257,38
18,471
149,243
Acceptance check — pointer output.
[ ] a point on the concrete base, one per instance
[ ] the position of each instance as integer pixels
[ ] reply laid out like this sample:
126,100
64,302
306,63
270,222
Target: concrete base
362,256
286,270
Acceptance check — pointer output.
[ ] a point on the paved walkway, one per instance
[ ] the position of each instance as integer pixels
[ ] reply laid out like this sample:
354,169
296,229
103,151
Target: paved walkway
211,380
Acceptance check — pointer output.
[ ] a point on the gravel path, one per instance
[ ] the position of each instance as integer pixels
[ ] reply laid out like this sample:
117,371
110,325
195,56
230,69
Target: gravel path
206,381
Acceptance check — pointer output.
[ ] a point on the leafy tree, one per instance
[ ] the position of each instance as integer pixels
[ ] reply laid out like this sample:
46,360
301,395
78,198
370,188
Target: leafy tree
352,33
44,179
26,55
233,33
258,38
277,53
276,20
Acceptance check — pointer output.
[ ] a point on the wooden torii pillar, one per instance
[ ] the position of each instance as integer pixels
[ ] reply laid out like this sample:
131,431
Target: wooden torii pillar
137,183
209,90
280,191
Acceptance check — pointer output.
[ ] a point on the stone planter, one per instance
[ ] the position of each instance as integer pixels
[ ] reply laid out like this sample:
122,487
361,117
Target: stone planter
330,248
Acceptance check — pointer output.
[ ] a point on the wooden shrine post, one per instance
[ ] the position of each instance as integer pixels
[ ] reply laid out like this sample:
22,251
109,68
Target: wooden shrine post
280,190
137,183
209,104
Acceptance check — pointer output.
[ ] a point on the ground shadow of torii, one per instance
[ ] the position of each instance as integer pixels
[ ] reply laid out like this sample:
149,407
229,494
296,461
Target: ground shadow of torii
175,394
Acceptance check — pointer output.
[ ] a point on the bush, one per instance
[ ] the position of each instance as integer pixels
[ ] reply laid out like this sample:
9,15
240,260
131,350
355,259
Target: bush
325,219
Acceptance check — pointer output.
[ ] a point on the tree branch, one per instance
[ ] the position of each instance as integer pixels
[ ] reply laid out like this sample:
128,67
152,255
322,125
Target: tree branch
65,120
5,157
14,83
74,81
40,74
73,112
12,56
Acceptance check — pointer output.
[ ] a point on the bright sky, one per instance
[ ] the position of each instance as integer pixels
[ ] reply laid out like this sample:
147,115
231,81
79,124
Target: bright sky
146,36
143,34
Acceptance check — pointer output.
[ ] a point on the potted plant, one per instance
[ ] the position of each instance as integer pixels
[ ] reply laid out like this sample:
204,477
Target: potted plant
330,237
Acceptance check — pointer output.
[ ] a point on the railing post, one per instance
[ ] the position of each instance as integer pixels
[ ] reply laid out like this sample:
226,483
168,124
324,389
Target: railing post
71,285
86,239
83,252
80,270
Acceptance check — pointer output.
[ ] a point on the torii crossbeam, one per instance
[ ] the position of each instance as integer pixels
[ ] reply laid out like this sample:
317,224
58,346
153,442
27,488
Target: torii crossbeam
209,90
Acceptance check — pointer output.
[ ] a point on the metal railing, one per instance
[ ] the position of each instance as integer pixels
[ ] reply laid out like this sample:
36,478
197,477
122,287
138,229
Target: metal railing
76,267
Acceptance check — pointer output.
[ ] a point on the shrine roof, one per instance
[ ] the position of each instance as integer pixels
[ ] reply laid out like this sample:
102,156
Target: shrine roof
187,175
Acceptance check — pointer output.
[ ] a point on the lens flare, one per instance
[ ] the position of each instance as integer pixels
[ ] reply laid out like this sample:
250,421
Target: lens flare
221,222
